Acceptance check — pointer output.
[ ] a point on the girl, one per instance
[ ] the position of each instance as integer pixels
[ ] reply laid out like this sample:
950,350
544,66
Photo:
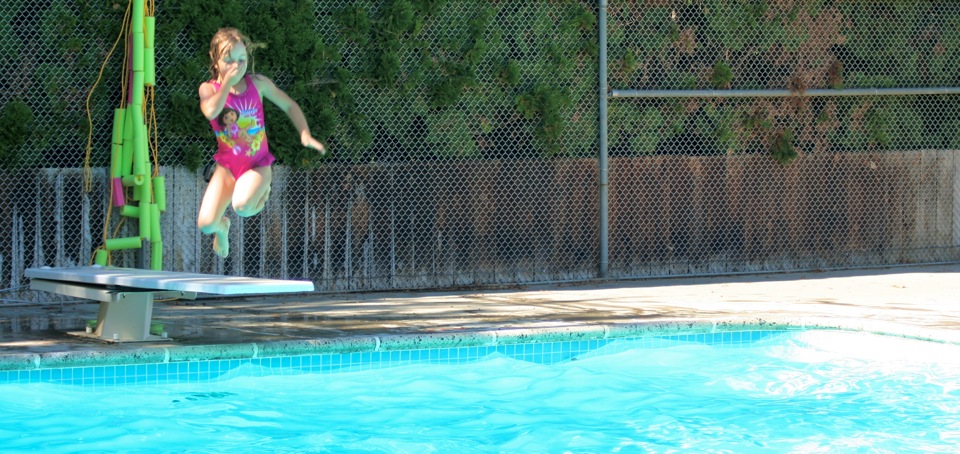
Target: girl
233,103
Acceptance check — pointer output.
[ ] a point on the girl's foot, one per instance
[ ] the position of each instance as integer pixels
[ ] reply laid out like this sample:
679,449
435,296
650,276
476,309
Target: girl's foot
221,238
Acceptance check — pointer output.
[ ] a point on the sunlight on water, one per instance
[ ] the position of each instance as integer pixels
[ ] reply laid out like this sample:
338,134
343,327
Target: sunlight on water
815,391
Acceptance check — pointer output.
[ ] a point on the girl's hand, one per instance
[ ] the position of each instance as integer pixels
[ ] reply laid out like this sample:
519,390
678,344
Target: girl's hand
234,72
308,141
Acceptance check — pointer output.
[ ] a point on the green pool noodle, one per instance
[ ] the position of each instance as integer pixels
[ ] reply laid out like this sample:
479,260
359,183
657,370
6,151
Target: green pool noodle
156,328
150,61
130,242
139,154
145,213
115,160
118,125
130,211
136,18
145,139
145,157
160,192
155,236
116,150
137,89
150,31
100,258
137,191
149,67
156,256
138,51
129,181
126,166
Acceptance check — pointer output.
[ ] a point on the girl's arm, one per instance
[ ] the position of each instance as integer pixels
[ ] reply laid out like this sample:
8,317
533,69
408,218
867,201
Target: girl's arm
270,91
213,100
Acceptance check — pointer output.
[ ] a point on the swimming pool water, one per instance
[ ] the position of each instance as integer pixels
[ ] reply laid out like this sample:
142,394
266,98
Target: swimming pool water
810,391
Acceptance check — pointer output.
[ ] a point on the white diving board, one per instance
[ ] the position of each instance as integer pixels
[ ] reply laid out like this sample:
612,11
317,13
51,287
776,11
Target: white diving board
126,295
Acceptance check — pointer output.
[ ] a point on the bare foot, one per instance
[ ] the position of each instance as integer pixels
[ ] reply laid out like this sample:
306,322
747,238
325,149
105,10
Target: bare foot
221,238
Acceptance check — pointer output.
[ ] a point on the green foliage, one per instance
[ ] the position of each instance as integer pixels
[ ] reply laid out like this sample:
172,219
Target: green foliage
629,64
460,73
637,128
721,124
510,73
450,134
721,76
354,24
16,124
782,149
544,105
440,79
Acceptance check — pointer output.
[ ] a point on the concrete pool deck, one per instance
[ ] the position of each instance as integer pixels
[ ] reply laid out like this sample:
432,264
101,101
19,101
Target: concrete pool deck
914,301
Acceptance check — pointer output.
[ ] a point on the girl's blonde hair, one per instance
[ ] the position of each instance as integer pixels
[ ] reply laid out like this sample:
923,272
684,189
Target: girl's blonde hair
223,41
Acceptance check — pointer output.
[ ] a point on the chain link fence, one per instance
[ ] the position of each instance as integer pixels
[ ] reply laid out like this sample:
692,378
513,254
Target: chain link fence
467,153
745,141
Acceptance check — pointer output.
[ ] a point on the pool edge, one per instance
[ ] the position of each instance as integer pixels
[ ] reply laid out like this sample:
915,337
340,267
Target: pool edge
453,339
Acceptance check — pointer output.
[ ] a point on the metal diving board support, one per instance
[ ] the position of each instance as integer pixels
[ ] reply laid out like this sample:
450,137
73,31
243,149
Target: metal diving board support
126,295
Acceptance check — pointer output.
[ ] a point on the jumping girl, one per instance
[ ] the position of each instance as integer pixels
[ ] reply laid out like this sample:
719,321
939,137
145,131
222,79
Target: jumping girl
233,103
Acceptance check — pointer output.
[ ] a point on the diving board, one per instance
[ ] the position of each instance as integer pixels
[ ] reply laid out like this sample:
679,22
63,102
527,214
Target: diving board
126,295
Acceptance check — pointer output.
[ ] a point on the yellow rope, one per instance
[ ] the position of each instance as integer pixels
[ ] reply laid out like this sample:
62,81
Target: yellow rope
156,140
87,171
123,99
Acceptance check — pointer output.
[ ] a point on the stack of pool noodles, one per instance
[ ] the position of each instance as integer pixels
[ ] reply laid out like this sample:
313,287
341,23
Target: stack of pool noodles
130,158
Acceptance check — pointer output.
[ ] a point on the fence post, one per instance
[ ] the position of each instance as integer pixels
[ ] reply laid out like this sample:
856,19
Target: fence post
604,182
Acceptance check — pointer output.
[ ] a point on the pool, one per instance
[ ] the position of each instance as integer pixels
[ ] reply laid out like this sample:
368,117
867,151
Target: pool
749,391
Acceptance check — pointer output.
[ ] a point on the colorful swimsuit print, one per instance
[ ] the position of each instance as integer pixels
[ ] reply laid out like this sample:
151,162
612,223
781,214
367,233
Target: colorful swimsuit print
241,133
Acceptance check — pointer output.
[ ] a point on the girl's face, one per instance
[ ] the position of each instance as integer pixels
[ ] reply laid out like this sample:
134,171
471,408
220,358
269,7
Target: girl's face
233,55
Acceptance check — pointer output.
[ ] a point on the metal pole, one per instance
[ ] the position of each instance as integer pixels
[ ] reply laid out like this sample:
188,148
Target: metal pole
817,92
604,179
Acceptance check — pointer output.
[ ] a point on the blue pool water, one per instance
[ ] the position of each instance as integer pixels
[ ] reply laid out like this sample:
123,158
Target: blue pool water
810,391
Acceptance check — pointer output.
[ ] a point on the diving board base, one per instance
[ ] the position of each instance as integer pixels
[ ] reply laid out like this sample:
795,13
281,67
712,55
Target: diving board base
124,315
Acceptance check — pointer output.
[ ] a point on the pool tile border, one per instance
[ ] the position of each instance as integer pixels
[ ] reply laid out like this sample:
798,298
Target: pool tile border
206,370
178,355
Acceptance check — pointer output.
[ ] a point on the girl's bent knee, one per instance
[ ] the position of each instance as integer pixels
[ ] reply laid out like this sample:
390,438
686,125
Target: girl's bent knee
247,209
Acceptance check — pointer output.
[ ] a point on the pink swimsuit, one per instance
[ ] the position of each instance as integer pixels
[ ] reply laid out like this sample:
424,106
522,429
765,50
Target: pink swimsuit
241,132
